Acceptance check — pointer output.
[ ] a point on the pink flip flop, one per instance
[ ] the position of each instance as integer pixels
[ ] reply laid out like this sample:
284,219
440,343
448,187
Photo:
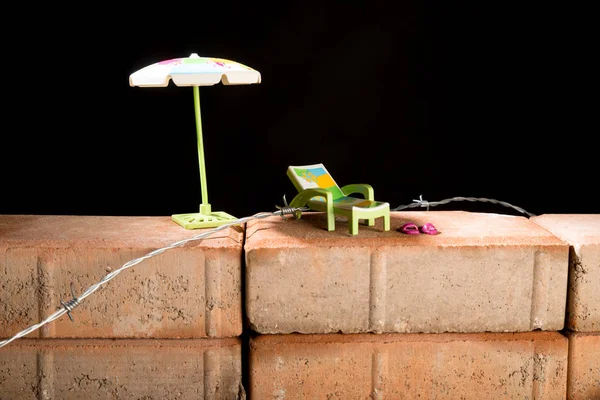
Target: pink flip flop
409,228
429,229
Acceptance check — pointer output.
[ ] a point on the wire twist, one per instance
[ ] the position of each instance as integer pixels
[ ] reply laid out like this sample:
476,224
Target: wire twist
287,210
421,202
70,304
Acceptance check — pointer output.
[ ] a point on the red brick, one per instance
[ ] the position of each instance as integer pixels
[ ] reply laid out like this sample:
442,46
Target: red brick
484,272
119,369
409,366
584,366
188,292
582,232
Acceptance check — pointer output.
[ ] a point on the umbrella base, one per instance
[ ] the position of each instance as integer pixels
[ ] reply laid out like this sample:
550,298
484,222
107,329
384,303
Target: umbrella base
199,220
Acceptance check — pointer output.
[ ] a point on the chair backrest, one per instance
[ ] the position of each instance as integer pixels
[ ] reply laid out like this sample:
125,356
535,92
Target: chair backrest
313,176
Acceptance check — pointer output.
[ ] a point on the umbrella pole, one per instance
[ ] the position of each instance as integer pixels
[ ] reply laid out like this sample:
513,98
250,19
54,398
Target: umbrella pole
206,218
205,206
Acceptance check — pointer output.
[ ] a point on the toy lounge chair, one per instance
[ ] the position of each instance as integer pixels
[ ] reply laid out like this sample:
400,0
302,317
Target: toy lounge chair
317,190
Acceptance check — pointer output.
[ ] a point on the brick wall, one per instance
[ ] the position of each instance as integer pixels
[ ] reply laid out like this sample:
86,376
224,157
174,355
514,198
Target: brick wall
496,306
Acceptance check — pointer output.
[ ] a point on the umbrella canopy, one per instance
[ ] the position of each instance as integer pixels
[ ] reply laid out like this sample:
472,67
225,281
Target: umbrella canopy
194,71
197,71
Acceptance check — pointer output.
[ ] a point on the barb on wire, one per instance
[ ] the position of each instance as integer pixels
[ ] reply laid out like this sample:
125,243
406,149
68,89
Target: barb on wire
286,209
421,202
69,305
424,203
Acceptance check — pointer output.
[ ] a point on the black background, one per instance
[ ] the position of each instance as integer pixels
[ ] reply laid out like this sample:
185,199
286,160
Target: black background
443,99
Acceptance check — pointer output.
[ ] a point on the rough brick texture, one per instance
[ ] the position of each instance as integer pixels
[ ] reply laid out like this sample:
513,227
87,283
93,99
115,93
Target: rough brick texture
484,272
191,291
584,366
529,365
120,369
582,232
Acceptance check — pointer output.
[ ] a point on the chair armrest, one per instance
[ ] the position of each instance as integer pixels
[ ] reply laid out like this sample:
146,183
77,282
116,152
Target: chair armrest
304,196
361,188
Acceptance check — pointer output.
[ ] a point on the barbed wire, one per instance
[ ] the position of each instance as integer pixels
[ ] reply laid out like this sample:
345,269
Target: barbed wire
68,306
424,203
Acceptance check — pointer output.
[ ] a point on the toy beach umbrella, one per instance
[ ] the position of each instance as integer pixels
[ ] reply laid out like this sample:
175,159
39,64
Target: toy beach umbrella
197,71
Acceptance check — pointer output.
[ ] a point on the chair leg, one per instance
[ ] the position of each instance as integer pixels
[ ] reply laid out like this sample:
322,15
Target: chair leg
370,222
330,221
330,214
353,224
386,222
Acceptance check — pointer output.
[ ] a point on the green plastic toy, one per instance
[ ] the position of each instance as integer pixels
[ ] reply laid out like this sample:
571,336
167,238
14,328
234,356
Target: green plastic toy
197,71
319,192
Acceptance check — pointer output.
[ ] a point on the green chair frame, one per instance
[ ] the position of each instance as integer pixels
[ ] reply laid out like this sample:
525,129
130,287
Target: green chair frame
318,191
